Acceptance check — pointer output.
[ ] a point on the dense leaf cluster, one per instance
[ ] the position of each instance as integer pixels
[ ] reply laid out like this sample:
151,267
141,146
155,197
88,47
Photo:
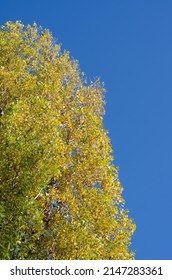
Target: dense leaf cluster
60,193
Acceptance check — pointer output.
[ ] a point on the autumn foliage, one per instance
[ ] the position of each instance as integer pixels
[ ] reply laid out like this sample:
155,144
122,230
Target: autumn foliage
60,193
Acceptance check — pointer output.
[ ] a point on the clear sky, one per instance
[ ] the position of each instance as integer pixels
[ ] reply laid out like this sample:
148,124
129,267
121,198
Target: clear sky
128,44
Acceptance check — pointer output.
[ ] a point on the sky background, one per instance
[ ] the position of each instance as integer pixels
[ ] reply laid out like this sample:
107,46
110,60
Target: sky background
128,44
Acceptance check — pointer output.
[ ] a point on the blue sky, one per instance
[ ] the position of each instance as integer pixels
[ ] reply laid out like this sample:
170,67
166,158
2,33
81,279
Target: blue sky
128,44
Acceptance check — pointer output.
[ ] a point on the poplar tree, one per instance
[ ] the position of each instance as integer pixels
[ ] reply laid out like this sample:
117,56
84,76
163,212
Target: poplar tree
60,195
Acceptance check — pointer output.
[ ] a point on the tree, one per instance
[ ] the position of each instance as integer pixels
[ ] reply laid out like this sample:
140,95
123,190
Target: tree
60,192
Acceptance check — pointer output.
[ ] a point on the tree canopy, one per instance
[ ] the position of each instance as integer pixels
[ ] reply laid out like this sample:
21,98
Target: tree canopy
60,192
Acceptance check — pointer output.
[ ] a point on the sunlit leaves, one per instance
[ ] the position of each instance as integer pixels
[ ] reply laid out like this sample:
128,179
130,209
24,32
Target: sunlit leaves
60,193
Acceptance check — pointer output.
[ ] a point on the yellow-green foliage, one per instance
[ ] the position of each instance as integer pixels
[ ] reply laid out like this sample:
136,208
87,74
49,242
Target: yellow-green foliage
60,193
